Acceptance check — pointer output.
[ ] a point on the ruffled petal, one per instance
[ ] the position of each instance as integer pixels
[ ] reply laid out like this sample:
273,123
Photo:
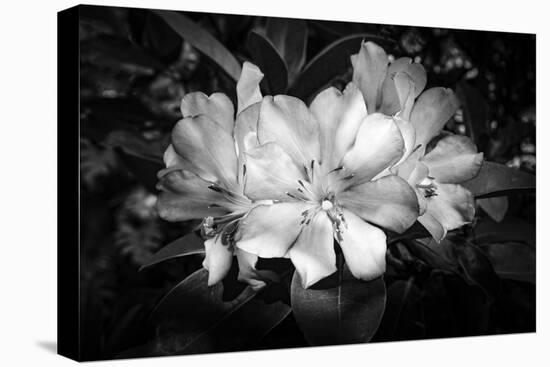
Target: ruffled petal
339,116
173,159
389,202
436,230
218,259
414,70
414,172
248,86
313,253
271,173
402,85
269,230
246,128
186,196
246,137
208,147
248,272
288,122
217,107
431,111
454,159
369,72
409,137
452,207
378,145
364,248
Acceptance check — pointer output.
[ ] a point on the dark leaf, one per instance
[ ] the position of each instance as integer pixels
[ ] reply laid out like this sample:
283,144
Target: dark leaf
332,61
267,58
475,109
193,318
438,257
338,312
496,179
496,207
190,244
403,317
289,36
119,54
477,268
511,229
513,260
203,41
417,230
142,157
136,145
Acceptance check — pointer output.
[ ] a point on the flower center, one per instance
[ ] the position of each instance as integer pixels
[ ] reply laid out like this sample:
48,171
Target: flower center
427,185
326,205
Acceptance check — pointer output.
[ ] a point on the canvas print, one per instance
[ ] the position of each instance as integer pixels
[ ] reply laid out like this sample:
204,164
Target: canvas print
254,183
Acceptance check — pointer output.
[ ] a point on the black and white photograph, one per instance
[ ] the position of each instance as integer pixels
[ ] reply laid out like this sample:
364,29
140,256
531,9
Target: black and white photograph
274,183
258,183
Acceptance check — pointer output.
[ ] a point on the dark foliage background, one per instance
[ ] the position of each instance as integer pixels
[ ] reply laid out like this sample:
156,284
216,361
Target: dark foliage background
134,71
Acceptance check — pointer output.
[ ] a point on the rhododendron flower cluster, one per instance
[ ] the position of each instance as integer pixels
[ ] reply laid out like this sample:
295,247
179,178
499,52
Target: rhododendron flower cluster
287,180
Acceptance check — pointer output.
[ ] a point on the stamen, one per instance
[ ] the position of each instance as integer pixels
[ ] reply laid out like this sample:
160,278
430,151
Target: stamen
416,148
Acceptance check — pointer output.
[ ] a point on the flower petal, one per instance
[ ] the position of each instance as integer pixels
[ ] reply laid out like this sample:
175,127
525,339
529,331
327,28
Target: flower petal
288,122
431,111
389,202
454,159
378,145
369,72
414,70
218,259
185,196
269,230
452,207
217,107
245,133
364,248
404,82
409,136
248,86
339,116
271,173
313,253
414,172
208,147
436,230
248,272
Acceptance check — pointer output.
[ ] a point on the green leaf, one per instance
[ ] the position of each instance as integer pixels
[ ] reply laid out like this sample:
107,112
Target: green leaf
267,58
289,36
513,260
202,41
338,312
332,61
496,179
190,244
496,207
193,318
